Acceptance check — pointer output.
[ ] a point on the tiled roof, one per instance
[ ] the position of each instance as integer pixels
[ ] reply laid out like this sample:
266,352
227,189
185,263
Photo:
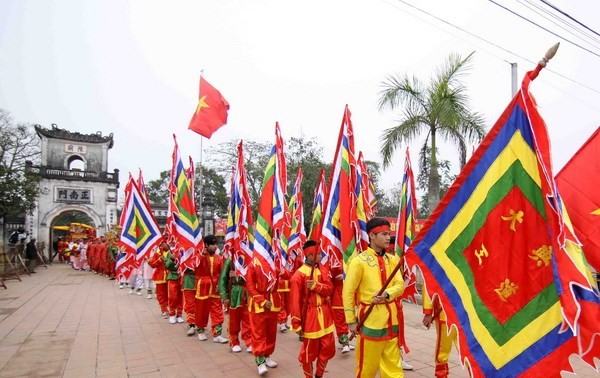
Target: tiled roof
57,133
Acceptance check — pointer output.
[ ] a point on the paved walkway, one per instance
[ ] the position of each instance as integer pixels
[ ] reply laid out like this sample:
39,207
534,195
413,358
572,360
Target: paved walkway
65,323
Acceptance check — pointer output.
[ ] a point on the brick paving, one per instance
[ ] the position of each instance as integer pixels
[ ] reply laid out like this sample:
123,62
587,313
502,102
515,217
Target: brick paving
65,323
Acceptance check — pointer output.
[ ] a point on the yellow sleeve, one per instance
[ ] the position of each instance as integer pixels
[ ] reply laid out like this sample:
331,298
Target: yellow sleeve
396,286
353,277
427,305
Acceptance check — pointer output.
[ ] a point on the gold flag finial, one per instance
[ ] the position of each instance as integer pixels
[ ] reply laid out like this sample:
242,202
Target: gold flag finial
549,55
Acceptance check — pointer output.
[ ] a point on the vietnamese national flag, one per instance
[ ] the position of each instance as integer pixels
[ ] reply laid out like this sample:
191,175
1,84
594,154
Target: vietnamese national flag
578,184
211,112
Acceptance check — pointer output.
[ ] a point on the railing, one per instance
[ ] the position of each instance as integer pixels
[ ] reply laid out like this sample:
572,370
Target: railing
66,174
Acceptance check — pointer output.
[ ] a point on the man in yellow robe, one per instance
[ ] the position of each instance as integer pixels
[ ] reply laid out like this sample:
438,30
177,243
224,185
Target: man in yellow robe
377,348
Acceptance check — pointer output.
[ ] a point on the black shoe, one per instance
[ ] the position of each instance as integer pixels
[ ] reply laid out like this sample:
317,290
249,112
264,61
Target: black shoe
33,271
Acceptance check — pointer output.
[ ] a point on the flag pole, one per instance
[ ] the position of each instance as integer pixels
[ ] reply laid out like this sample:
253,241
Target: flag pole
200,174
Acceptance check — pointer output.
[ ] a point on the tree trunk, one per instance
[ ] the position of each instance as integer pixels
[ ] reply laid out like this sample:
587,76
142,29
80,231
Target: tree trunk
433,190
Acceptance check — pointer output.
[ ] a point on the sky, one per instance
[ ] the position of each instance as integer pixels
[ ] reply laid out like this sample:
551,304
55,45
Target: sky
132,68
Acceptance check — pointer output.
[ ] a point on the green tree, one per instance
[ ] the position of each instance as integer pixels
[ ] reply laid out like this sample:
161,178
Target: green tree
439,109
223,159
446,179
305,153
158,189
18,187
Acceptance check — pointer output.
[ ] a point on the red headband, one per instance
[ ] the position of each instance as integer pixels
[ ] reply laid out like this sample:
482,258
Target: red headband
312,250
378,229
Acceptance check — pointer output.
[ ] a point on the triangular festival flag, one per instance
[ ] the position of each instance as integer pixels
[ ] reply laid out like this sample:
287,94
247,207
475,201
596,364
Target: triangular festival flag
498,255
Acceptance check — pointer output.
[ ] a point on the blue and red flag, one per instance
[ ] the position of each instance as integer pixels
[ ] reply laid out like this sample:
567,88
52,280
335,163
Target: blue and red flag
338,238
363,204
239,240
497,253
297,233
183,225
320,196
405,227
270,221
139,230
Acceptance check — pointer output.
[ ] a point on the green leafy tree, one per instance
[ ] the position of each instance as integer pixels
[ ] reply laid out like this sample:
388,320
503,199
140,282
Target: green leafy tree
305,153
18,186
158,189
446,179
438,110
223,159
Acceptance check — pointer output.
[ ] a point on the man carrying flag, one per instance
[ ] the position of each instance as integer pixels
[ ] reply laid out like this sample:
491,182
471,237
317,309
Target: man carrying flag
378,343
263,273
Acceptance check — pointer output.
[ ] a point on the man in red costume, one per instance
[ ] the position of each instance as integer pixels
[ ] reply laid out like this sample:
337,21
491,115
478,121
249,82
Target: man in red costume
208,298
264,303
157,261
174,285
312,315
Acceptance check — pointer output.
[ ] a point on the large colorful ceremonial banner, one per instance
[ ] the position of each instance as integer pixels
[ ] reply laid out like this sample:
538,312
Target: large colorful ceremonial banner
269,226
183,225
239,240
139,230
338,238
297,233
405,227
579,185
498,255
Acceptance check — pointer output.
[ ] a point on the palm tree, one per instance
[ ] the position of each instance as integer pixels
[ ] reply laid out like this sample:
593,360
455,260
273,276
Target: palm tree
440,109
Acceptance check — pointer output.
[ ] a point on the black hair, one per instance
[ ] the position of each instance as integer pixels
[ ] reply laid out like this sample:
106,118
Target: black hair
309,243
210,240
376,222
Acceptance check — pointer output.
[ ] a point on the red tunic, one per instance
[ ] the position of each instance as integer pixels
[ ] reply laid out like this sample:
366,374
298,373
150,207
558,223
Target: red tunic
157,261
207,276
311,308
258,294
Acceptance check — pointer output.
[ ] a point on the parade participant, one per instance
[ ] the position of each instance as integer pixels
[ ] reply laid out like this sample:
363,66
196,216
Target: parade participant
312,315
264,302
147,274
208,299
378,343
337,305
83,254
75,254
235,298
433,313
136,281
174,285
103,258
157,261
402,338
284,292
62,248
188,288
92,255
113,252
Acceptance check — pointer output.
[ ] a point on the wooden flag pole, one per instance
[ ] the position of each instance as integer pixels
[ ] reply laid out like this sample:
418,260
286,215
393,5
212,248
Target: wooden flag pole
380,292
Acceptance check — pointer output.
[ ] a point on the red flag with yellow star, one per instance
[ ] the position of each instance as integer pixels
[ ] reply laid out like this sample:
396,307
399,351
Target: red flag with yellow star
211,112
578,183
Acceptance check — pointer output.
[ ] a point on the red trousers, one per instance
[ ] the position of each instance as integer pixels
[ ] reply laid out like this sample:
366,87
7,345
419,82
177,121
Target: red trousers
321,349
239,320
162,296
264,333
285,307
189,305
214,307
175,300
339,320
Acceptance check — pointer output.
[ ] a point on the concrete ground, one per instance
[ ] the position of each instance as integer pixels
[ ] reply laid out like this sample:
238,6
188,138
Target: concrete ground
65,323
